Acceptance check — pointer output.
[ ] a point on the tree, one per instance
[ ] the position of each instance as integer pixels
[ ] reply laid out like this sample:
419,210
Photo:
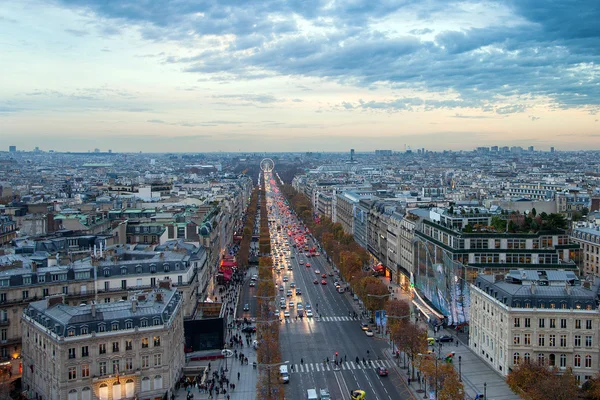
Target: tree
536,381
397,308
533,212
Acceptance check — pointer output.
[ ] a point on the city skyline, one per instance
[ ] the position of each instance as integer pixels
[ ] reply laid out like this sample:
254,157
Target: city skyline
318,76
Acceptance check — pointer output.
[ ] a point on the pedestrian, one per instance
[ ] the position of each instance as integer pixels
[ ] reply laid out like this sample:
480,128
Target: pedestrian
302,361
238,376
409,381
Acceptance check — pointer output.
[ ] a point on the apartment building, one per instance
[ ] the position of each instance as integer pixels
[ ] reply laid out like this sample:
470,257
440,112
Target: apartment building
542,316
108,278
131,349
588,239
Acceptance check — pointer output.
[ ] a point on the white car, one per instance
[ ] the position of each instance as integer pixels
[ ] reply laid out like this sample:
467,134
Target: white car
286,314
309,313
317,271
291,304
369,332
285,278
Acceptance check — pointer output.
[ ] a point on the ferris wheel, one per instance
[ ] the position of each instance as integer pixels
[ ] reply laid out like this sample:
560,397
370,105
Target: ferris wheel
267,165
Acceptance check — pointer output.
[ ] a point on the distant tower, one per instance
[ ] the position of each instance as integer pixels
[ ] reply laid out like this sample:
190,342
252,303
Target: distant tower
551,149
351,155
12,149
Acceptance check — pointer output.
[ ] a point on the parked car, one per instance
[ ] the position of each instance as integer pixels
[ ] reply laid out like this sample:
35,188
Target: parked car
444,338
369,333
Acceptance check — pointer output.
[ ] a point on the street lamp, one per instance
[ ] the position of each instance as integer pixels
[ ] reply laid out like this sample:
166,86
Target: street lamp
484,390
459,369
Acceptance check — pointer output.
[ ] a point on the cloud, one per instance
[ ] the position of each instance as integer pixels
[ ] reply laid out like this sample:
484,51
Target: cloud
533,118
77,32
255,98
511,109
423,31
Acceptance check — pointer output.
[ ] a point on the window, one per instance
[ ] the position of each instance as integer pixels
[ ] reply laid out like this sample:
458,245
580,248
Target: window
516,358
156,321
71,353
179,279
517,339
85,370
526,357
129,364
45,292
563,323
102,348
542,322
145,343
145,384
541,358
114,326
541,340
588,341
71,332
128,325
166,267
552,322
563,340
102,368
577,361
106,272
123,271
41,278
115,347
552,341
25,294
563,361
527,322
588,361
85,352
83,330
156,341
72,373
552,360
588,324
517,323
145,361
101,327
128,345
27,280
65,290
527,339
115,366
577,340
577,324
144,323
157,360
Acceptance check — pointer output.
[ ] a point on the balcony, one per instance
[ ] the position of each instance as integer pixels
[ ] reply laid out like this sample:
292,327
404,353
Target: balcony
4,322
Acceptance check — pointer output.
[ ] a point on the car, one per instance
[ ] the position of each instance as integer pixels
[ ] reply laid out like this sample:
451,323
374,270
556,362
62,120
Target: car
323,282
252,284
246,307
281,288
307,306
289,293
293,285
317,272
285,279
298,292
444,338
308,264
290,268
249,329
331,273
357,394
299,306
286,314
309,313
291,304
324,276
302,263
382,371
254,277
364,326
282,305
369,332
316,281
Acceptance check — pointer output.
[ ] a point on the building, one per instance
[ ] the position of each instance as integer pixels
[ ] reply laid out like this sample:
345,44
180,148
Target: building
8,230
125,350
536,315
12,149
589,243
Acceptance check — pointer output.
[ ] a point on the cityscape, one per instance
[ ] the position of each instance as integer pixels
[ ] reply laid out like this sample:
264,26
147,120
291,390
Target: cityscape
301,200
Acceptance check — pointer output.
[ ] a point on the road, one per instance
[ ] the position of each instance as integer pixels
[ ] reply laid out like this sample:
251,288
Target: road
307,343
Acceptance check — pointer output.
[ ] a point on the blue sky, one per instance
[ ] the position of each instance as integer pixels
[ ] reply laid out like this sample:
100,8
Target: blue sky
300,75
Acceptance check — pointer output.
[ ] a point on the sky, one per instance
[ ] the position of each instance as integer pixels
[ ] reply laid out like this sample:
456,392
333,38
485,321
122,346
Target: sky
299,75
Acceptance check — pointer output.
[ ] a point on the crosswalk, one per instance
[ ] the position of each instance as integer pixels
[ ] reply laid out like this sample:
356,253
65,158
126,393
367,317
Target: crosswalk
320,319
343,366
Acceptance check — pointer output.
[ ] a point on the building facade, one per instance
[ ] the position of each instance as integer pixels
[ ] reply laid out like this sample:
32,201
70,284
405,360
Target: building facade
589,243
550,317
127,350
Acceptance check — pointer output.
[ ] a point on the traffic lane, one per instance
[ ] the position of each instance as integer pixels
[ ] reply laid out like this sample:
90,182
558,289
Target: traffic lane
248,296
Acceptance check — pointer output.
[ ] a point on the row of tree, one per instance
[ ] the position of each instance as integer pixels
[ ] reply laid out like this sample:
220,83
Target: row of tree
533,380
243,255
268,386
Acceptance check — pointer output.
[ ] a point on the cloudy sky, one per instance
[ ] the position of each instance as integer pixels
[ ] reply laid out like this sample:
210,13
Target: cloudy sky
299,75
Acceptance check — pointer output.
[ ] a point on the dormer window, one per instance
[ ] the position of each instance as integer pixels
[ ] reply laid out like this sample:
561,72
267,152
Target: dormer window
101,327
153,269
156,321
129,324
138,269
83,330
106,271
177,266
114,326
71,331
166,267
123,270
144,323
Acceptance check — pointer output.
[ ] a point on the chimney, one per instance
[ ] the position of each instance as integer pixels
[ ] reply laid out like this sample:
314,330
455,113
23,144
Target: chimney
51,301
532,287
133,305
33,266
162,255
165,284
159,297
93,309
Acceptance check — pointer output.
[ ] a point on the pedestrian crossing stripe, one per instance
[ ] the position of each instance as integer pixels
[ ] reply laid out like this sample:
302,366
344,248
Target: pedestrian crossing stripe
343,366
322,319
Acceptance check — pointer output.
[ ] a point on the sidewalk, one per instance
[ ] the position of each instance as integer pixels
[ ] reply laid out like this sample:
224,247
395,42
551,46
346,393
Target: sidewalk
473,371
